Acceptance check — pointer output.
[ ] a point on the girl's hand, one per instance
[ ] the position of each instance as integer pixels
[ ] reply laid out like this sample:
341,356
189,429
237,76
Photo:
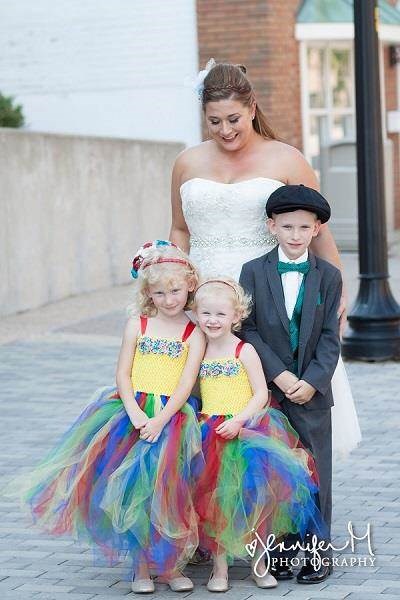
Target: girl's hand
229,429
139,419
151,431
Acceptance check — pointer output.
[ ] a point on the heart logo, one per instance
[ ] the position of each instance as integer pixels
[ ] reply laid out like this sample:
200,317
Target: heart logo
251,548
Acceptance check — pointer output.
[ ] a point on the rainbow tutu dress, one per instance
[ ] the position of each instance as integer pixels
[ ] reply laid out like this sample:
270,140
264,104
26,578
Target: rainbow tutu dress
263,480
124,496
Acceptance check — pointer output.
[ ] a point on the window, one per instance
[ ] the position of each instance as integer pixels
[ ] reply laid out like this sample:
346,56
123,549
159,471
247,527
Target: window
328,96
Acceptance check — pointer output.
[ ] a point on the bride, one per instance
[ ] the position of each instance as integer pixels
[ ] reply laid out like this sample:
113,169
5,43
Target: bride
219,192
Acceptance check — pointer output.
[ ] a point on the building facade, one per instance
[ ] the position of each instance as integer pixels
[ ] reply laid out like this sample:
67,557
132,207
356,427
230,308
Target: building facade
124,69
95,67
300,58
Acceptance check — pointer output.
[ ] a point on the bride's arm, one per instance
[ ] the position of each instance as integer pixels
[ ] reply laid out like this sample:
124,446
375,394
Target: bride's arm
179,233
323,245
300,171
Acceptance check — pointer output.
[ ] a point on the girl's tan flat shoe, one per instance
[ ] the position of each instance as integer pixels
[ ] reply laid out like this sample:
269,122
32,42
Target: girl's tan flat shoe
266,581
181,584
217,584
143,586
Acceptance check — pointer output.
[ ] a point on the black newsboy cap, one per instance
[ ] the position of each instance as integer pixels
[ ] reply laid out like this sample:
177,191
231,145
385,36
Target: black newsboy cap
289,198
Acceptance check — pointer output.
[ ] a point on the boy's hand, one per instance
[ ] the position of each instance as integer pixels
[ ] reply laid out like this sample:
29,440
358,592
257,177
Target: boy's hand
285,381
301,392
229,429
151,431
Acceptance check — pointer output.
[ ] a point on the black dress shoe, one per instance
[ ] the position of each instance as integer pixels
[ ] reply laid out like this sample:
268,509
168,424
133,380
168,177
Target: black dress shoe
308,574
281,573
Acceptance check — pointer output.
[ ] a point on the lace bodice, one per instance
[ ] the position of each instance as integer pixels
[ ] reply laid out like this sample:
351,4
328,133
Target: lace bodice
226,222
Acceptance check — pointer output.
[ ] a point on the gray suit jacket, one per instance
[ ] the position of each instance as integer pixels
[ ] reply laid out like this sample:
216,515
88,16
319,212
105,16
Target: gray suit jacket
267,327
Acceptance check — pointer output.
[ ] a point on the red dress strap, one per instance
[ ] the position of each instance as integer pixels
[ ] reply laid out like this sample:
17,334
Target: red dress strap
143,324
188,330
239,347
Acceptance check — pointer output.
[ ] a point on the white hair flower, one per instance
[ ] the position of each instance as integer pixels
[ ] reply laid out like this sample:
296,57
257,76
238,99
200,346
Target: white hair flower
199,82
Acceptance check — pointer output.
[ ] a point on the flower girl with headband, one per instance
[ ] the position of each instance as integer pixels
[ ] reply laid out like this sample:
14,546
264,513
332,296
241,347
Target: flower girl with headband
121,477
257,477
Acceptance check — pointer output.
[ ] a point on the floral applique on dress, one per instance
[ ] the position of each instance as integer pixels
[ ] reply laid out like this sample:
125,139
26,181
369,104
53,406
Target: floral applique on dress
149,345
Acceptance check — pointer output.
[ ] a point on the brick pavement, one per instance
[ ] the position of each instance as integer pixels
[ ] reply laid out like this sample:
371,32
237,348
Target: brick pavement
48,373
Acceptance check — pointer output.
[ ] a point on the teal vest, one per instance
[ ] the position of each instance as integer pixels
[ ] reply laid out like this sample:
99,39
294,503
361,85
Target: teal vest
294,323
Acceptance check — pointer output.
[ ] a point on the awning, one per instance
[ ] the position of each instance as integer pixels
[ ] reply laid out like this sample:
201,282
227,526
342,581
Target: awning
333,20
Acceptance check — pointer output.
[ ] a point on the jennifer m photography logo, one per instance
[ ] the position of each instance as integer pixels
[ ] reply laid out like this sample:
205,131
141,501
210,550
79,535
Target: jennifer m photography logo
313,546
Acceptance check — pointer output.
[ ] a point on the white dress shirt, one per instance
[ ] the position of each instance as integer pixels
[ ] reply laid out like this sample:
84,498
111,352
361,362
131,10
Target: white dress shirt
291,282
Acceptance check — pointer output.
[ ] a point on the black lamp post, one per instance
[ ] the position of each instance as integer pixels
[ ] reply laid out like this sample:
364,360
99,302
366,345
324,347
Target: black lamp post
374,322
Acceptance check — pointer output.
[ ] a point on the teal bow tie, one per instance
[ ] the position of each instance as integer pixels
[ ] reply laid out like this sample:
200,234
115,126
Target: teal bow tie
284,267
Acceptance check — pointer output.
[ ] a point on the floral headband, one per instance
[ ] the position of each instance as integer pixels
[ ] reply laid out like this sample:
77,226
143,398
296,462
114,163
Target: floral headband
140,260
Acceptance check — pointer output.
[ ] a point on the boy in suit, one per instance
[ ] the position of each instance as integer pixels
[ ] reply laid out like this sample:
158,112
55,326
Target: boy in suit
294,327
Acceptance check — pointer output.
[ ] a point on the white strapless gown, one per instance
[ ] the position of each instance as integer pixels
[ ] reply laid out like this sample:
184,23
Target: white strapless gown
227,228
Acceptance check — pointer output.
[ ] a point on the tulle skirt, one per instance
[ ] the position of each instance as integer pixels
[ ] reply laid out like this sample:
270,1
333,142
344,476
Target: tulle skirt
124,496
263,480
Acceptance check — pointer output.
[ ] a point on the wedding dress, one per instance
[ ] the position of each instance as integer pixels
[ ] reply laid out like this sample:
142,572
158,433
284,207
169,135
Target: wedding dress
227,228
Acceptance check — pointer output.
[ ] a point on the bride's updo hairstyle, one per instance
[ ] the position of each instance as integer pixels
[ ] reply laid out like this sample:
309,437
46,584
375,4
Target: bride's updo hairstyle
226,81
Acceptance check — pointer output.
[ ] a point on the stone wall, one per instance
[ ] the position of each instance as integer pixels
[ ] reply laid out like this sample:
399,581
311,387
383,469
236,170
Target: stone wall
73,210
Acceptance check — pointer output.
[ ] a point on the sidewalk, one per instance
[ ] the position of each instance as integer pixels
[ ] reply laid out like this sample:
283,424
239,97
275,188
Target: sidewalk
103,312
52,360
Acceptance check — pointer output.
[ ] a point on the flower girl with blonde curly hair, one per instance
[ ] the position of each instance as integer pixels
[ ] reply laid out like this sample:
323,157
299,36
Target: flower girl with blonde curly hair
121,478
258,477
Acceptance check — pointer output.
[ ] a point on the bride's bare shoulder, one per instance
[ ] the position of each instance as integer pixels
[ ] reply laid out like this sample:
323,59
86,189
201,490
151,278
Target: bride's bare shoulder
282,150
194,152
191,159
288,163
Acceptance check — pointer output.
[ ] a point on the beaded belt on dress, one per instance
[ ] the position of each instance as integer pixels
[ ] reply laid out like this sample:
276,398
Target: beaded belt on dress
229,241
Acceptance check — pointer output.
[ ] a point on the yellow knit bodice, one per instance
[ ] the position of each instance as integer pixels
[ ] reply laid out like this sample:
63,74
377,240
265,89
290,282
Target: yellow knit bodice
158,364
225,387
